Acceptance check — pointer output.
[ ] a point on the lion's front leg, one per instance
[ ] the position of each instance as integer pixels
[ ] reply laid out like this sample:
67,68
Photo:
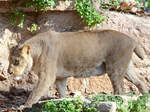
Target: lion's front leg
61,86
44,82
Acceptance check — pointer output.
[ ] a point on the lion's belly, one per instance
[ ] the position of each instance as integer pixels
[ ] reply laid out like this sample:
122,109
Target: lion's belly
81,71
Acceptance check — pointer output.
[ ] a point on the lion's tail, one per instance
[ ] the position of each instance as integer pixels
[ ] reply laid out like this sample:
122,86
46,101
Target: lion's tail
139,51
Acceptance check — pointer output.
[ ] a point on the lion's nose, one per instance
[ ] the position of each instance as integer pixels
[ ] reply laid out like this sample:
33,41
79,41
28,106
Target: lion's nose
10,72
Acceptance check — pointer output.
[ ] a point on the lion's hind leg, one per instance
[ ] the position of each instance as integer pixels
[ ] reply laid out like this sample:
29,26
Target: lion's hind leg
116,78
116,66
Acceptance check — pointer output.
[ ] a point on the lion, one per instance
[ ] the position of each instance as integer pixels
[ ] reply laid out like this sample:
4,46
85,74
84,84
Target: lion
56,56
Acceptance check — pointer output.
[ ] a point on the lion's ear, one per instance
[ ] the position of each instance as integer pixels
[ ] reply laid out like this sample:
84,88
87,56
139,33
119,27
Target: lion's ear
25,49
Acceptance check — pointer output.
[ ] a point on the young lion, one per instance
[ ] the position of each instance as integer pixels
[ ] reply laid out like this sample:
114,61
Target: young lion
55,56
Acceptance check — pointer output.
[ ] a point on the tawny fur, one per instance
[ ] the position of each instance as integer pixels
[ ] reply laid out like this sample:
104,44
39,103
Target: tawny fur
56,56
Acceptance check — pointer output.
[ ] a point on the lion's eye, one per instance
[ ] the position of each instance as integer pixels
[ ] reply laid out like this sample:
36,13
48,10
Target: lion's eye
16,62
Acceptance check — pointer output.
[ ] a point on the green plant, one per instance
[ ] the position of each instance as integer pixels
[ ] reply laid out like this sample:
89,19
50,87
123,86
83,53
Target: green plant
103,97
89,109
75,105
147,4
88,13
114,3
144,3
110,5
139,105
105,6
40,4
33,28
84,8
107,98
17,14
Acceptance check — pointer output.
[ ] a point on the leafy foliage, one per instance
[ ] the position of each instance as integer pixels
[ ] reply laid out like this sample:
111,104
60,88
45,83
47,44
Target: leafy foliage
138,105
87,12
84,8
144,3
107,98
114,3
33,28
75,105
17,14
103,97
39,4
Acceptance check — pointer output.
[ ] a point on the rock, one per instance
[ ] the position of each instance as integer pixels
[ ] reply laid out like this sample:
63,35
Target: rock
106,107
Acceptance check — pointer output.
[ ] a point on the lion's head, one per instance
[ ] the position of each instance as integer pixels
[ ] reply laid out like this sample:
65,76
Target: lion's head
20,61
